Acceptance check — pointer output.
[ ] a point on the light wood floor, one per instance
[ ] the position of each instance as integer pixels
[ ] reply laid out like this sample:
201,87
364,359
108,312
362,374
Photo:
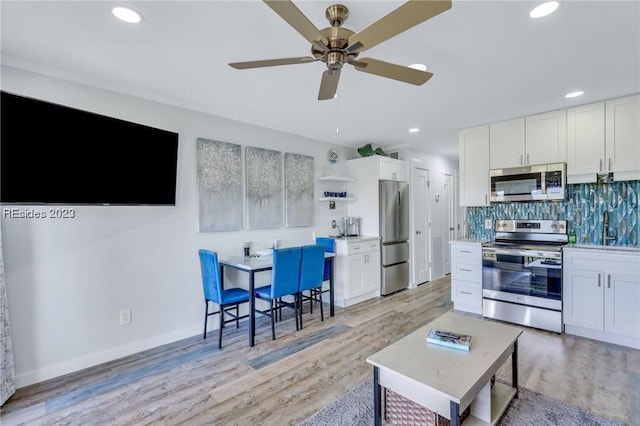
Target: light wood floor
285,381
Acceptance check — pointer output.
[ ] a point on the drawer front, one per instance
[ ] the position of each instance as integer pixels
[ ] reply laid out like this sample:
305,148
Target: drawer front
467,293
466,252
467,271
363,247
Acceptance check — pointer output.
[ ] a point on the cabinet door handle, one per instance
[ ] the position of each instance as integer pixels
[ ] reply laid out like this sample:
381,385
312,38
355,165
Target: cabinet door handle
608,281
465,292
466,270
465,251
610,167
599,276
527,158
521,160
485,198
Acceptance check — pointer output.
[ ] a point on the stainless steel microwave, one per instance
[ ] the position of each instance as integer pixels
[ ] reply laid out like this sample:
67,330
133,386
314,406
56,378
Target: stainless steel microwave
530,183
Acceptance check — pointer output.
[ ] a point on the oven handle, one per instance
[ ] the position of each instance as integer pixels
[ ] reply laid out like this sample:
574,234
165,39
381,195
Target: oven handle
531,253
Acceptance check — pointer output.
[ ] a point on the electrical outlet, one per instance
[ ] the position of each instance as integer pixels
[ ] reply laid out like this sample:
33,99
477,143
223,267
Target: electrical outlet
333,224
487,224
332,205
125,316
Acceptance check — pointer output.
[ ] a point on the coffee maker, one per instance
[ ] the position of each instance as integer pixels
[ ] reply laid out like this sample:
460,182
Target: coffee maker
350,226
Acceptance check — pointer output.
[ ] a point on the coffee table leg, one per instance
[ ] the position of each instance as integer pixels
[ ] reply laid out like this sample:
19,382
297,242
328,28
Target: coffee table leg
455,413
514,368
377,398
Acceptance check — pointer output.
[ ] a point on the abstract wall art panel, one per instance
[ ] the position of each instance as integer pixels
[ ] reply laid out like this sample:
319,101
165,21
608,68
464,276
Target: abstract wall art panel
298,185
219,185
264,188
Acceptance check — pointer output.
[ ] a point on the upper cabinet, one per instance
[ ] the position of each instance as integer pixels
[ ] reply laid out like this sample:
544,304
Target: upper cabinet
623,137
474,166
546,138
506,140
379,167
585,142
604,137
526,141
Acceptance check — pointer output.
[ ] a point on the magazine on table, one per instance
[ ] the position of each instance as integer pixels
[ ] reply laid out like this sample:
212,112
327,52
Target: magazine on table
449,339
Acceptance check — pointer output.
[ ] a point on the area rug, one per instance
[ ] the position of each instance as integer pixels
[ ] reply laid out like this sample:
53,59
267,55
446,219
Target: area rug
355,408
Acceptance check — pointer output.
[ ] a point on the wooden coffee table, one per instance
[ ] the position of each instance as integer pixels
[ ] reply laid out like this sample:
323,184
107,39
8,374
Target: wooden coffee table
447,380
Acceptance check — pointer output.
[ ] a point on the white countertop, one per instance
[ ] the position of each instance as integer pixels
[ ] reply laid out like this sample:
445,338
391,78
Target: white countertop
358,239
627,249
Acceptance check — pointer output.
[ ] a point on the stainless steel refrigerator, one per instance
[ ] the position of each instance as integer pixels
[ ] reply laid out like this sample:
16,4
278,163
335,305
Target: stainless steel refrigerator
394,233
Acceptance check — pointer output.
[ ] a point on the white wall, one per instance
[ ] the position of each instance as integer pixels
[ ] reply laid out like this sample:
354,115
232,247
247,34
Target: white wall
68,279
437,210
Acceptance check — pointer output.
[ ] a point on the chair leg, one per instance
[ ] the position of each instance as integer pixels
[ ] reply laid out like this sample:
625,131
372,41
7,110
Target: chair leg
319,294
237,316
297,301
221,326
273,322
206,316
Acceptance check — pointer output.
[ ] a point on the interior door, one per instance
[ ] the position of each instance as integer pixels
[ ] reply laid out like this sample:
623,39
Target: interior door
420,198
449,232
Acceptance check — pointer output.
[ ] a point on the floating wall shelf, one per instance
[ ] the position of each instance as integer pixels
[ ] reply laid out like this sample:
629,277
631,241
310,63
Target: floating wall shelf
337,199
337,178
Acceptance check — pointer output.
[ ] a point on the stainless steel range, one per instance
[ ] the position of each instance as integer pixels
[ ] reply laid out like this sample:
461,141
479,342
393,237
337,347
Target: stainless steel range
522,273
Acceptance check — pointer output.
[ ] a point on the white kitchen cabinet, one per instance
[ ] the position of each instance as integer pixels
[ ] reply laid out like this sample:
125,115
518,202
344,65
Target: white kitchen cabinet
601,295
379,167
357,274
466,276
546,138
506,144
474,166
604,137
623,137
585,142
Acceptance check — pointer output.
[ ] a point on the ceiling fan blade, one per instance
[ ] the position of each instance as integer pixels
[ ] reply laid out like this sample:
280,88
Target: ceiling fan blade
272,62
329,84
294,17
399,20
393,71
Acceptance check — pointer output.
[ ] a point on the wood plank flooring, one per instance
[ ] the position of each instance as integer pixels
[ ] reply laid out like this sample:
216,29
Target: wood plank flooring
285,381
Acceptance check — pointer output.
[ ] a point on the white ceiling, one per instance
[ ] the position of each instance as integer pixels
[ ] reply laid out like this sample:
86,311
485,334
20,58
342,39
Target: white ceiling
490,62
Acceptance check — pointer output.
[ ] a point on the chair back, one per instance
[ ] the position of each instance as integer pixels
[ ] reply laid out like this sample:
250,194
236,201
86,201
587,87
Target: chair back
329,245
210,269
286,271
311,267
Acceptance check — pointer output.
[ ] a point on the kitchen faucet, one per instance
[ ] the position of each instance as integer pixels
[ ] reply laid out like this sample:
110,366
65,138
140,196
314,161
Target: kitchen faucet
605,229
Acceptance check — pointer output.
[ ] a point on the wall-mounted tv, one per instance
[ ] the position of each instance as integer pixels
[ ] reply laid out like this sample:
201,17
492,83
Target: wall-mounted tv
54,154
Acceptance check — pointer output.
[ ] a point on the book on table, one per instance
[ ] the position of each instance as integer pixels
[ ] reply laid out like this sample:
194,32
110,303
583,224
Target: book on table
449,339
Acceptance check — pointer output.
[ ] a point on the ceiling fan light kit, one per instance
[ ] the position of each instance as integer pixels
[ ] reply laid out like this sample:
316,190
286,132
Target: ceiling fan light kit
336,45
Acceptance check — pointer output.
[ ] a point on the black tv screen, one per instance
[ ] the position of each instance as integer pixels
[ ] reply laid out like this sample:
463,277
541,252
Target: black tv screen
54,154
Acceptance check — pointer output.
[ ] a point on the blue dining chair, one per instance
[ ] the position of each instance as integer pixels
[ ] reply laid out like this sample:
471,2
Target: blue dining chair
329,245
311,277
284,282
228,300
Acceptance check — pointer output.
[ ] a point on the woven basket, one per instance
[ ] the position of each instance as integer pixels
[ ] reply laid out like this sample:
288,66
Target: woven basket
400,411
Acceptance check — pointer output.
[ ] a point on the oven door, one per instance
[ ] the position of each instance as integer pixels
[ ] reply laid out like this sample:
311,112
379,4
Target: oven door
529,277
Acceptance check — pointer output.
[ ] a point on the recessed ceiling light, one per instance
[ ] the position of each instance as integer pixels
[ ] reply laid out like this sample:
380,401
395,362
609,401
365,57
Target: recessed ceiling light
544,9
574,94
419,67
126,14
414,130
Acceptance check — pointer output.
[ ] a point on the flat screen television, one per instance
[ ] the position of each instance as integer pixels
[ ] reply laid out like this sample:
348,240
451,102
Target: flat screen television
54,154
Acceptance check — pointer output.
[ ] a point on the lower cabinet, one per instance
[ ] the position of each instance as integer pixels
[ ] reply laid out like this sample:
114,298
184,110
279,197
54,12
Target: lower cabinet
466,276
357,272
601,295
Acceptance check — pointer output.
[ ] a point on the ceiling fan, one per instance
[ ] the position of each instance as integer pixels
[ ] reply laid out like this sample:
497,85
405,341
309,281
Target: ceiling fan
336,45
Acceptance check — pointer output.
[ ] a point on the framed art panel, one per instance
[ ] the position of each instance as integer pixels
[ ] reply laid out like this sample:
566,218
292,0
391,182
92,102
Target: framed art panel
299,189
264,188
219,186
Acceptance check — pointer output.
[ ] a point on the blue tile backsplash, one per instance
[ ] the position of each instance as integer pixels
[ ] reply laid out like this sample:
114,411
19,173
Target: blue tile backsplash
583,210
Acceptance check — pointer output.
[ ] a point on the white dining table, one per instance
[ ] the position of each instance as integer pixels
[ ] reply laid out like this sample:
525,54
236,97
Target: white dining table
255,264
